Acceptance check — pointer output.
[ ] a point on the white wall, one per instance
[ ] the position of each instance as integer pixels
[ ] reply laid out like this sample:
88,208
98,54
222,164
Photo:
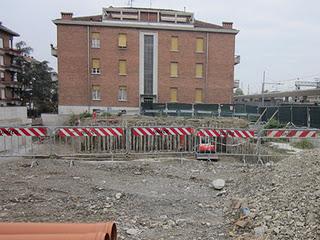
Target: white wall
54,119
80,109
13,116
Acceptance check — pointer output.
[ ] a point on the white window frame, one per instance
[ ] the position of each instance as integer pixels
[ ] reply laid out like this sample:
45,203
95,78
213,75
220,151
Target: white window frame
1,74
95,71
95,43
15,77
1,42
11,43
1,60
96,94
3,94
122,95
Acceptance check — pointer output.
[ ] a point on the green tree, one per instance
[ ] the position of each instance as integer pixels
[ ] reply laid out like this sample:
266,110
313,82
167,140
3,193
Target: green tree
238,92
37,91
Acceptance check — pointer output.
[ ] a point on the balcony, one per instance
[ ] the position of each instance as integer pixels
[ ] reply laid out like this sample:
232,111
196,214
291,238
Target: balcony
12,68
236,59
11,84
10,51
54,51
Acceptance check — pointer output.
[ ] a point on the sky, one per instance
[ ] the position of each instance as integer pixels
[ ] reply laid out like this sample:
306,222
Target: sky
280,37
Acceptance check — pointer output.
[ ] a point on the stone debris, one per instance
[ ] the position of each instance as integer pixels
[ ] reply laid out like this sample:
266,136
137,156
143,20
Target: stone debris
218,184
283,202
159,200
118,196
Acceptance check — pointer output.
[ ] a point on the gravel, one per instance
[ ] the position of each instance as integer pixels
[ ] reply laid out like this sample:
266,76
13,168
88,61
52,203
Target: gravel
155,199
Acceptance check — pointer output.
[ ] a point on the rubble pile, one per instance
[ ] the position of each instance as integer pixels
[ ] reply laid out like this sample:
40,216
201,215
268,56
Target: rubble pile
283,203
218,122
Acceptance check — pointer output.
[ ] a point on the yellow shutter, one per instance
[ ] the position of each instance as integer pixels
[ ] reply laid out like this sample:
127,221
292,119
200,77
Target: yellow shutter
96,88
199,45
173,94
122,67
174,69
95,63
96,35
122,40
198,97
199,70
174,44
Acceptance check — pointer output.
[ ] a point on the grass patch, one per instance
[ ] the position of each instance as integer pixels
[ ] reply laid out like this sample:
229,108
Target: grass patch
274,124
303,144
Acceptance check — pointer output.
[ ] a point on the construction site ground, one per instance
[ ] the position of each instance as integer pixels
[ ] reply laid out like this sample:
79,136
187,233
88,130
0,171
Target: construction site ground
169,198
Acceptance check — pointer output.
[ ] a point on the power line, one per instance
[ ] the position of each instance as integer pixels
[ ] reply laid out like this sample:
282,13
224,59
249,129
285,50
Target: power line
297,78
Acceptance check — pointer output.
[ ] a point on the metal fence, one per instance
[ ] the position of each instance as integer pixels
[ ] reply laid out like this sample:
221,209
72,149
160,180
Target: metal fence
161,139
300,116
27,141
112,140
88,140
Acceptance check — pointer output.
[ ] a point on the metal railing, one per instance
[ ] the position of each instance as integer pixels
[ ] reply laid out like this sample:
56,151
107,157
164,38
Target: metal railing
113,140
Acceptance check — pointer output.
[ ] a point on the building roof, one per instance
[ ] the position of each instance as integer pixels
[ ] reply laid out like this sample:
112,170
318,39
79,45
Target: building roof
197,23
7,30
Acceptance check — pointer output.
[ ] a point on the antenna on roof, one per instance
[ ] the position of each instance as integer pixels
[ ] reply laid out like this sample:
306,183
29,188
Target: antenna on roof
130,3
184,9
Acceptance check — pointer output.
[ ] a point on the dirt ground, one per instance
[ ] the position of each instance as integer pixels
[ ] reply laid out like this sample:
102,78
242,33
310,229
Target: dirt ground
149,199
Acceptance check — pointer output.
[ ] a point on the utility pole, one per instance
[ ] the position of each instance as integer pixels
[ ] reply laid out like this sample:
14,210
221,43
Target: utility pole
263,86
263,83
130,3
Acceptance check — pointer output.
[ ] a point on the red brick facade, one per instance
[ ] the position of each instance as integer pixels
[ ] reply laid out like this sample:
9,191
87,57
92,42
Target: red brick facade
9,87
75,56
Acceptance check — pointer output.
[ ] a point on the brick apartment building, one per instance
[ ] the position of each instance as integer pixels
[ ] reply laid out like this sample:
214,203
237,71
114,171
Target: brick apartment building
8,69
127,56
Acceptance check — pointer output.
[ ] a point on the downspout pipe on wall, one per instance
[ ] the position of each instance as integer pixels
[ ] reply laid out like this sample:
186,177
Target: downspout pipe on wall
207,66
88,70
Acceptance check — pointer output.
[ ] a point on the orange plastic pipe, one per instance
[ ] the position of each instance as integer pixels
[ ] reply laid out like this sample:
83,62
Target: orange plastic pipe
61,236
59,228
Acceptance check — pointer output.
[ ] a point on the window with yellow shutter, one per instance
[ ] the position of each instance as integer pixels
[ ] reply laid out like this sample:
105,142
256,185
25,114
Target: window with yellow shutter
199,70
122,41
174,69
95,40
173,94
198,96
199,45
122,67
174,44
95,66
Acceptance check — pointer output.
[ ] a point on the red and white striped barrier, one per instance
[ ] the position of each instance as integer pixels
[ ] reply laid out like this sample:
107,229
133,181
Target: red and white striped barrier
162,131
24,132
91,132
225,133
292,133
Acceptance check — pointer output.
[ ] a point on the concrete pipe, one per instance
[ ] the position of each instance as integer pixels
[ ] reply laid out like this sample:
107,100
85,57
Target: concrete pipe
60,236
59,228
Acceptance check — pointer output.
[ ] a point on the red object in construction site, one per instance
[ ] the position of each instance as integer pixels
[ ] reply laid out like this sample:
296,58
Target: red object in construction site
94,116
203,148
206,150
87,230
61,236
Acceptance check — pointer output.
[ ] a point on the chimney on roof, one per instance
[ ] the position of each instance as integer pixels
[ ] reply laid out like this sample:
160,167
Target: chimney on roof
66,15
227,25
